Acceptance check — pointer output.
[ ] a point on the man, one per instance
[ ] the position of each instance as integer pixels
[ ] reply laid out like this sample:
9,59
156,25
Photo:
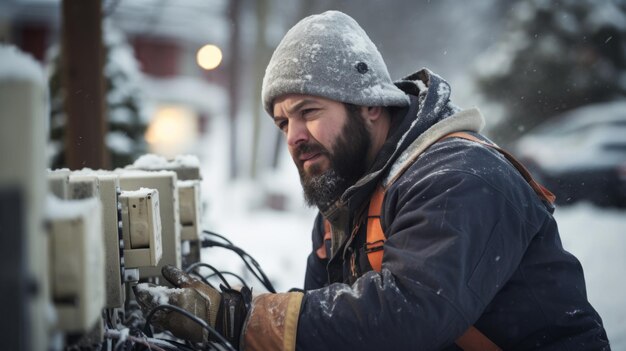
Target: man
468,253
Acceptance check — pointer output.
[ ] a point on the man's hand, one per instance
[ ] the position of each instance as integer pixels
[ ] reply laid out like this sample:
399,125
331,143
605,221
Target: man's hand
225,311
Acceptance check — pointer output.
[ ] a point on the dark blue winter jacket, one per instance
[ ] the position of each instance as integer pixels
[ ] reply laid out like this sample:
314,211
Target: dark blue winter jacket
468,243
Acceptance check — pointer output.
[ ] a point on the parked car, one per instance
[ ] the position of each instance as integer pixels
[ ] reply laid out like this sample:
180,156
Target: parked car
580,154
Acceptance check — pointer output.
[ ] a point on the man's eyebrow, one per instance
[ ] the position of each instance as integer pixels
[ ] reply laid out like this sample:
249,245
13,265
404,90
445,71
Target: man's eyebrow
296,107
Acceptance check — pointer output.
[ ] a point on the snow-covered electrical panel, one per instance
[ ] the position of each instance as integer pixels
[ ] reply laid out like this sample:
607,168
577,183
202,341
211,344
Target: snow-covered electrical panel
141,227
165,183
58,182
83,186
104,186
24,254
113,245
76,266
187,168
189,199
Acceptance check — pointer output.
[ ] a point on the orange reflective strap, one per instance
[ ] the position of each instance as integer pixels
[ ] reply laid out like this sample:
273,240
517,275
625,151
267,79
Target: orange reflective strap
375,235
474,340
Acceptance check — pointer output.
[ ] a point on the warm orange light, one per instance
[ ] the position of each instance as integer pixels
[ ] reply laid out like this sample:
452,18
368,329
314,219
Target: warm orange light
209,57
172,131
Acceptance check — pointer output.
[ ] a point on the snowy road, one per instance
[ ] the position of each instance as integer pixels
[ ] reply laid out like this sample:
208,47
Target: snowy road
598,238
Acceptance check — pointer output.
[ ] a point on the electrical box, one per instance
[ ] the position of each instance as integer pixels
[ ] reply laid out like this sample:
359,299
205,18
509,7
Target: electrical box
24,111
58,182
83,185
76,266
190,204
113,244
165,183
105,186
187,167
141,224
189,200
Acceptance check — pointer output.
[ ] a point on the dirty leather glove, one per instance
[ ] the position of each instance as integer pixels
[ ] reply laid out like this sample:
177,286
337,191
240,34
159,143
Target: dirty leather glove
225,311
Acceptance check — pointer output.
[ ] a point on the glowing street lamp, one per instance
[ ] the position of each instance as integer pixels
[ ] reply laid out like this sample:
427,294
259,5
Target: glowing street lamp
173,130
209,57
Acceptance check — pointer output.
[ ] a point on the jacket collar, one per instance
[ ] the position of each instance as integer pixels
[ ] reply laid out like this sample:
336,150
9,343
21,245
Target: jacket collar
430,116
465,120
430,104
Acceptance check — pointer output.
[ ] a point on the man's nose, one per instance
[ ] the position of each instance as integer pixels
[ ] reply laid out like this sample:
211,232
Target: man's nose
296,133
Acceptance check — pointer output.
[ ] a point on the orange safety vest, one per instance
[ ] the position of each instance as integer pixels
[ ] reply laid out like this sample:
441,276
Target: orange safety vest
472,339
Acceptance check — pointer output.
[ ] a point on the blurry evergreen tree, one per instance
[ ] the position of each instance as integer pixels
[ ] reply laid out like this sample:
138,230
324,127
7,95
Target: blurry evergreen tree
555,56
127,119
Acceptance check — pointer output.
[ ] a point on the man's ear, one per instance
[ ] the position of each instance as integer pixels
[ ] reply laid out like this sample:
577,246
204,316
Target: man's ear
372,113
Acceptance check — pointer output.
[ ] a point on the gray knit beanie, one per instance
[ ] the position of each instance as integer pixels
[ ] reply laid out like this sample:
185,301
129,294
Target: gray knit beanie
331,56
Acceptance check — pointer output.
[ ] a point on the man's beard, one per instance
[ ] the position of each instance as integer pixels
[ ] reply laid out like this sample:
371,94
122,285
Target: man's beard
348,163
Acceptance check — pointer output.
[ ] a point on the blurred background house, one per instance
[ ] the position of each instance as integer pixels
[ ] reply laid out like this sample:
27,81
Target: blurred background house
152,73
521,62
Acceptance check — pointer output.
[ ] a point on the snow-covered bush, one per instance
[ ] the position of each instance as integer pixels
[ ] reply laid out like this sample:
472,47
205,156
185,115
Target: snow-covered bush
555,56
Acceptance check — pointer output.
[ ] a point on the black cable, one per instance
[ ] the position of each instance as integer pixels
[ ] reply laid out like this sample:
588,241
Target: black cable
202,264
258,273
178,345
187,314
182,346
121,344
201,277
262,278
106,315
230,273
133,340
239,251
218,235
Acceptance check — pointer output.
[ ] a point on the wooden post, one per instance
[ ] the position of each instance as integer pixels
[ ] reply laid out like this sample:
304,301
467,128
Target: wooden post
262,54
233,87
83,83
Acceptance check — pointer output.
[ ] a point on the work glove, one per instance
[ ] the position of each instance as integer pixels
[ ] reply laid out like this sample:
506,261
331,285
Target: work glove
225,311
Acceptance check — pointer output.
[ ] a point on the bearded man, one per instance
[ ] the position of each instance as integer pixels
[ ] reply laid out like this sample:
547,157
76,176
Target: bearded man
429,237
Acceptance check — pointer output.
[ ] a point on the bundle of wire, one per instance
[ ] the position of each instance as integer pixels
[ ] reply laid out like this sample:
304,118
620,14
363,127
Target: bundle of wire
248,260
221,344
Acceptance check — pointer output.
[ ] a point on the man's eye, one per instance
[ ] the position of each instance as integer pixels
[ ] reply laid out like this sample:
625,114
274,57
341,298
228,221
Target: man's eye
308,111
282,125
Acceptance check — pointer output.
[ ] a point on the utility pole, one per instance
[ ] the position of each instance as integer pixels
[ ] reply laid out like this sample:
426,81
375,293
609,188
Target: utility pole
83,82
262,53
233,86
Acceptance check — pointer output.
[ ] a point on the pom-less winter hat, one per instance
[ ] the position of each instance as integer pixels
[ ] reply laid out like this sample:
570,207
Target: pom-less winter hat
331,56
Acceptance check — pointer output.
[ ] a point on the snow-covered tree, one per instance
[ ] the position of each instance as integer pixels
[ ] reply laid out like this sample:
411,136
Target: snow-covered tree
555,56
126,115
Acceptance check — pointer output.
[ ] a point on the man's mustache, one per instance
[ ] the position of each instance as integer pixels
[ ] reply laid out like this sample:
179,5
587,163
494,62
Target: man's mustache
310,148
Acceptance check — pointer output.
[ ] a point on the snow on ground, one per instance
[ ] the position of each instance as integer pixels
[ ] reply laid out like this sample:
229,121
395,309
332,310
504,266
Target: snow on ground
598,238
